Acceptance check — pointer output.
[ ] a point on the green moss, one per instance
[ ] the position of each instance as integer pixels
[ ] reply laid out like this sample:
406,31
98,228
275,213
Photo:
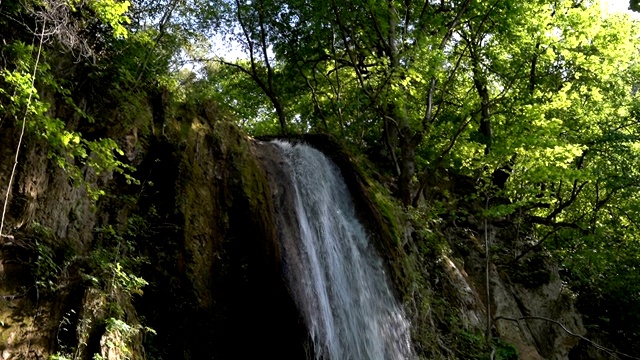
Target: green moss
505,351
389,209
5,322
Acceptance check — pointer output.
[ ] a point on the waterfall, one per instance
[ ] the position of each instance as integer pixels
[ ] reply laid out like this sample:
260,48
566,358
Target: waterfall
336,276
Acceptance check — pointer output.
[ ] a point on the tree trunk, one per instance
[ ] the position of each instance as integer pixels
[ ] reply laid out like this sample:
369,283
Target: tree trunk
407,166
281,117
480,82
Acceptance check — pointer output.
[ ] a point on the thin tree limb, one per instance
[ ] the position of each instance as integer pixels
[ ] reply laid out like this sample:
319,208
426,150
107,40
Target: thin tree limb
22,131
564,328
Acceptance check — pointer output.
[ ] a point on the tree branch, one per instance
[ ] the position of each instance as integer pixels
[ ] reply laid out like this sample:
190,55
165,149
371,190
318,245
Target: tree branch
427,119
556,224
347,46
564,328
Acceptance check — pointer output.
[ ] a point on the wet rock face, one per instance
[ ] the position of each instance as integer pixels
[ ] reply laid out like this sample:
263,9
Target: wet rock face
277,175
217,288
211,257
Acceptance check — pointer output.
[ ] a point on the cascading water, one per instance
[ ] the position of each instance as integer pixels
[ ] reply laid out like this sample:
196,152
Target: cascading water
337,278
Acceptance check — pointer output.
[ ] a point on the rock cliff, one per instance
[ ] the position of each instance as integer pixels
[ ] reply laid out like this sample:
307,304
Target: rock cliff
200,232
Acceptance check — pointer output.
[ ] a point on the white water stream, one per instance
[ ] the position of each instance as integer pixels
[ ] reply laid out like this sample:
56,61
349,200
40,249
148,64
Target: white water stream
339,281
